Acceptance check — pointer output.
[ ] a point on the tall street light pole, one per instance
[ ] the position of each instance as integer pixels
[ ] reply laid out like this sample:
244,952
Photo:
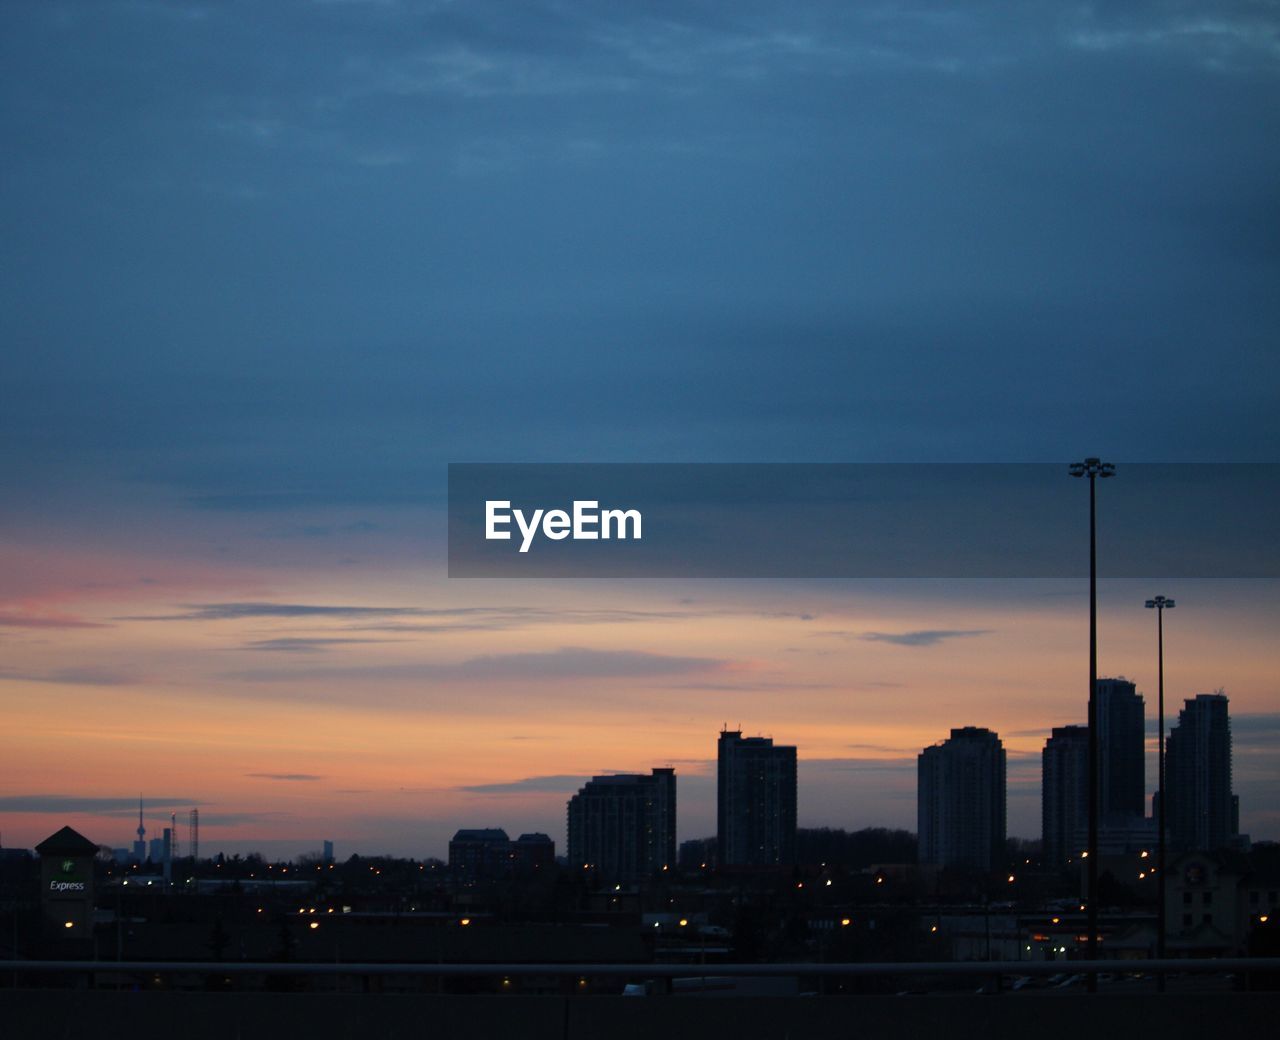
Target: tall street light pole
1093,468
1159,605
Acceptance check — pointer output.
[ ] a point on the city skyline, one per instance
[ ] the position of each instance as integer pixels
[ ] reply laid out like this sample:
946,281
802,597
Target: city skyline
608,777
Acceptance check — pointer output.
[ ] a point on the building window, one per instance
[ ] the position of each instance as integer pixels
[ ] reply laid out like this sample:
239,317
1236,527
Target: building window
1207,919
1186,898
1186,920
1253,897
1208,899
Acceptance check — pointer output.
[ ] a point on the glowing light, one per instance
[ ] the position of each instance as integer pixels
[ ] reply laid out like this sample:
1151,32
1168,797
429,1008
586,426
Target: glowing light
845,922
69,924
684,921
465,921
315,925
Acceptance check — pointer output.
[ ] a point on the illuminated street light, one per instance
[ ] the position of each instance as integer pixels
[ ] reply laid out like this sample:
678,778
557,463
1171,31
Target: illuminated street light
1159,604
1093,468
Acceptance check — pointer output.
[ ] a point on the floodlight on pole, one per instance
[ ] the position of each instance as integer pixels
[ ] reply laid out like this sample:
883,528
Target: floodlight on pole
1093,468
1160,604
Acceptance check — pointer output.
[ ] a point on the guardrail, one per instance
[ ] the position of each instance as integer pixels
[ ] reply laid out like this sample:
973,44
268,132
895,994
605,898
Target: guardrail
806,969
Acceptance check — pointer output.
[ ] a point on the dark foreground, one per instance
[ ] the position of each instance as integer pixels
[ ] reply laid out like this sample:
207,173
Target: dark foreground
220,1016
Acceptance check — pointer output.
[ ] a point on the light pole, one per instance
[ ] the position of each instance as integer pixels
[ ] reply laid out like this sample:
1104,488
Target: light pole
1093,468
1159,605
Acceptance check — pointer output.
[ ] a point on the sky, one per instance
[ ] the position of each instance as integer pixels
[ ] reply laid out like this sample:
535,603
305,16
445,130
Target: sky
268,269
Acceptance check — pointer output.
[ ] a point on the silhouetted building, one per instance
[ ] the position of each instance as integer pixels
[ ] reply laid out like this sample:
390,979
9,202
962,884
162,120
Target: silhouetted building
961,800
533,852
1216,900
756,802
697,854
1064,809
624,826
1203,812
326,856
66,883
480,853
1122,822
1121,753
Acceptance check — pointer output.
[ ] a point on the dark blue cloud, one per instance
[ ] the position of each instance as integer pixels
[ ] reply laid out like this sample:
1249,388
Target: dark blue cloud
531,784
924,637
309,253
95,804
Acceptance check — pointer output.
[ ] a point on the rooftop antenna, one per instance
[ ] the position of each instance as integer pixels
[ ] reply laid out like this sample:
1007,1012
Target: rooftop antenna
142,831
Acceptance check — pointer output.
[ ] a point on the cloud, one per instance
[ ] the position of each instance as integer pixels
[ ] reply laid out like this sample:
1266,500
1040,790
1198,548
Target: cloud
93,804
555,784
305,777
304,645
240,611
418,619
884,748
12,619
1255,723
923,637
750,686
566,663
70,677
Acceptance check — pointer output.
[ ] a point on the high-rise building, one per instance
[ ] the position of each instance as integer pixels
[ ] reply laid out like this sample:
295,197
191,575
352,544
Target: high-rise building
756,802
1064,794
1121,753
961,800
1203,813
624,825
1122,823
